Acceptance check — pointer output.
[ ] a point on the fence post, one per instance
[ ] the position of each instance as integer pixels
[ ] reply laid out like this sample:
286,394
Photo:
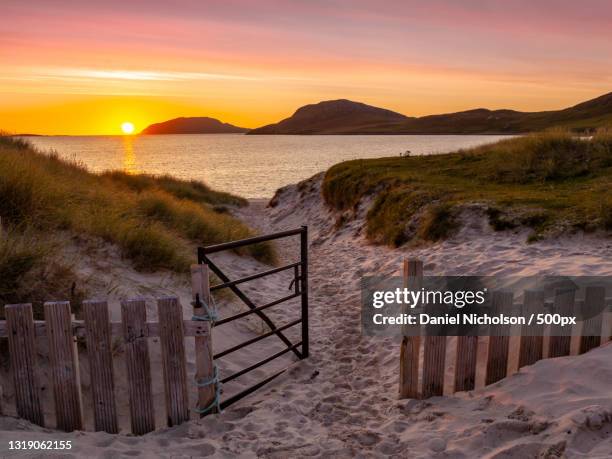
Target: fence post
410,347
499,343
531,345
594,300
62,357
99,350
134,324
205,369
22,354
172,338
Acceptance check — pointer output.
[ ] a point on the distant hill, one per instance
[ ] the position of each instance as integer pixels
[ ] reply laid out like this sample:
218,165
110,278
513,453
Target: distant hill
333,117
347,117
193,125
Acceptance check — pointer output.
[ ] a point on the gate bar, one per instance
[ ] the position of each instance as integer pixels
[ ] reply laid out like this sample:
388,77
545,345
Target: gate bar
250,390
253,277
260,363
254,340
252,240
245,299
256,310
304,290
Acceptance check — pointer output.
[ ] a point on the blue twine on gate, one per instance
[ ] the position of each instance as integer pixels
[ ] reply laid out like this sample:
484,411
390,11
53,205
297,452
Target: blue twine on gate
211,312
209,316
217,400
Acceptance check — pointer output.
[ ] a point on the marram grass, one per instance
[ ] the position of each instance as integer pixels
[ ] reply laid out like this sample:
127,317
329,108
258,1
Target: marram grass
155,222
552,182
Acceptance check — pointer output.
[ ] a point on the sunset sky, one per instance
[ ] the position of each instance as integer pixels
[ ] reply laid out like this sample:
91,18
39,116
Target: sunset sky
71,67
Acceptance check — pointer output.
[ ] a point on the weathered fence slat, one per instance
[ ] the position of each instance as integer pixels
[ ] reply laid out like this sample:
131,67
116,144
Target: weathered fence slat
99,351
434,354
560,336
409,366
22,354
591,328
173,360
465,366
62,357
434,359
532,340
499,341
410,347
205,370
134,317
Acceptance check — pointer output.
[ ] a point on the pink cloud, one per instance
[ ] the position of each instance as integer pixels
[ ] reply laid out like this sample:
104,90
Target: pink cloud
326,42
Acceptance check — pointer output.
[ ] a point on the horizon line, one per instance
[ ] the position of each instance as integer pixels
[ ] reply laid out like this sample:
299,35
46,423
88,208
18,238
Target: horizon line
34,134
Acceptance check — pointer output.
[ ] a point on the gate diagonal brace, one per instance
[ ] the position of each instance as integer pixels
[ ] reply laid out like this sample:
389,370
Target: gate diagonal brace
251,305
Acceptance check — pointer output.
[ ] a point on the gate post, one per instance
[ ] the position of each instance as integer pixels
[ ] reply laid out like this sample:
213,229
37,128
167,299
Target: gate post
206,377
304,289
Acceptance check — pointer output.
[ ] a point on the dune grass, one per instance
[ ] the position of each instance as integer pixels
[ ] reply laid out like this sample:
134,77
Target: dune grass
182,189
155,222
32,271
550,181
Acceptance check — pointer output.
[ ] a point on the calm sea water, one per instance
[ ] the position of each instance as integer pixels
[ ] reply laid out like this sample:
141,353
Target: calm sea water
249,166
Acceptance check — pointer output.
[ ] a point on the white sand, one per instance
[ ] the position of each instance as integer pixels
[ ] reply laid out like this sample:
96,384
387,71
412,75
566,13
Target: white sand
342,402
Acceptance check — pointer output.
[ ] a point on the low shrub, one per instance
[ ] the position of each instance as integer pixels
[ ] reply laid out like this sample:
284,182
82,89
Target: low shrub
439,222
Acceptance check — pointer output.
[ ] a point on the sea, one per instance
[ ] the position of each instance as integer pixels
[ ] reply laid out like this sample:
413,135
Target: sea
252,166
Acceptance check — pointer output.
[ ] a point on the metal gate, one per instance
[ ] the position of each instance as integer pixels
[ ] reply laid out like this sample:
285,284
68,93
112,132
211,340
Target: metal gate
300,289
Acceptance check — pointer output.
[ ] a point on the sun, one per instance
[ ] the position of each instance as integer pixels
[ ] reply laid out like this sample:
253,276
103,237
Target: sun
127,127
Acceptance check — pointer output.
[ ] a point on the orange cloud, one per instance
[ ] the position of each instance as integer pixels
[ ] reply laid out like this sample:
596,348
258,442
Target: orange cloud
67,68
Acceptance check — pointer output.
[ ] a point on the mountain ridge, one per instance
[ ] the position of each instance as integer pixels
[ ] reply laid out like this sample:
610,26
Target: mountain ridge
343,116
193,125
346,117
331,117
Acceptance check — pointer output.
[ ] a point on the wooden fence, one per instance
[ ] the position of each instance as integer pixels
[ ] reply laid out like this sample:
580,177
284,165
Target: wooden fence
62,331
422,371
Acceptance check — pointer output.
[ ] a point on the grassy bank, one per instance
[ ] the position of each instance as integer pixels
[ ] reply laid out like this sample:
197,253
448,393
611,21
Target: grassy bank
155,221
551,182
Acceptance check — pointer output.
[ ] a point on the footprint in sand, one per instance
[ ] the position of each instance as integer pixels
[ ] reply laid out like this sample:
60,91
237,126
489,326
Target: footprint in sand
366,438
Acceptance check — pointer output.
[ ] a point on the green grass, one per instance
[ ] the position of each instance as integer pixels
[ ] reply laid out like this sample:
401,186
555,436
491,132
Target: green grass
155,222
550,181
439,222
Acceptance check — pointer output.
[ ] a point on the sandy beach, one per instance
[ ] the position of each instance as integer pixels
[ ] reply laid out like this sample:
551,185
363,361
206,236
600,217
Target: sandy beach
343,400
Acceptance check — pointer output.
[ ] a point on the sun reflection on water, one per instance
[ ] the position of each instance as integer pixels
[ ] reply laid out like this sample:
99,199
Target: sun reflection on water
129,157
